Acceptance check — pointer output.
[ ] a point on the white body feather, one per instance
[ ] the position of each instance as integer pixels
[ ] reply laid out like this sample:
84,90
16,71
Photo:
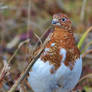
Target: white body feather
63,80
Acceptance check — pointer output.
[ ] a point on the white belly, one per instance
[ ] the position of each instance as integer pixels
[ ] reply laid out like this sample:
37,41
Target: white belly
41,80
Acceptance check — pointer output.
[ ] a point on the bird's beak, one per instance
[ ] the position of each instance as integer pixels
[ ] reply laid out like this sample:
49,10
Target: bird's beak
54,21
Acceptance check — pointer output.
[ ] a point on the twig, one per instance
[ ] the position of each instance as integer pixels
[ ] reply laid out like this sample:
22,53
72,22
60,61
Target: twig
87,52
28,17
38,38
4,70
86,76
83,10
3,73
22,89
28,25
87,46
20,45
25,72
32,61
42,36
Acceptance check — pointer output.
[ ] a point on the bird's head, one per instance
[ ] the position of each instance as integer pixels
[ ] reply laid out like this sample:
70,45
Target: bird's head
62,21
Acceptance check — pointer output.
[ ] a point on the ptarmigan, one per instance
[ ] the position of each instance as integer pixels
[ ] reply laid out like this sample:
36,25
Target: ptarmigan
59,67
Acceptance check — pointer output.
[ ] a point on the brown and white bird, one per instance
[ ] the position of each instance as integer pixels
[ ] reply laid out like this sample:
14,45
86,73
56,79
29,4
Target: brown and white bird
59,67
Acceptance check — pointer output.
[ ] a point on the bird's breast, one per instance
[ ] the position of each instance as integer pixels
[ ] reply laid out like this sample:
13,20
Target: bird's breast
60,40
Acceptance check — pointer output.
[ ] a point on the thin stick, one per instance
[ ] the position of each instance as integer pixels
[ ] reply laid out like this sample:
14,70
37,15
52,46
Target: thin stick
87,46
20,45
86,76
25,72
38,38
87,52
22,76
3,73
28,17
83,10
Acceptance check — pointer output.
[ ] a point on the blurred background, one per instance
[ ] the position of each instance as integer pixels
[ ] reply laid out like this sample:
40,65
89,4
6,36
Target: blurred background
23,19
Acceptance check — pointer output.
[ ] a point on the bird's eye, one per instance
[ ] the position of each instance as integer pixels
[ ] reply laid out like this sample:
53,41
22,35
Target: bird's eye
63,19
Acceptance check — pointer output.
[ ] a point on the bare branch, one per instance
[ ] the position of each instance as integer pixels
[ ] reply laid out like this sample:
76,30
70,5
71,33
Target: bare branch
6,65
32,61
87,52
25,72
86,76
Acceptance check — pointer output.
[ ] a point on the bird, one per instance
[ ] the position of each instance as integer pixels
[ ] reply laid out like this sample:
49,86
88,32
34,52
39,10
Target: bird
59,67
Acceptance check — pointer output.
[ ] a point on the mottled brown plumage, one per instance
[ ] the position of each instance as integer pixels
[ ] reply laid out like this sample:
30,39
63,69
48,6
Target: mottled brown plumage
62,39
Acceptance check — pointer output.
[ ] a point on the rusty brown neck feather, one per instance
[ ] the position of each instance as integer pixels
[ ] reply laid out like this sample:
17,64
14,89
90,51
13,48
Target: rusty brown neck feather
64,29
